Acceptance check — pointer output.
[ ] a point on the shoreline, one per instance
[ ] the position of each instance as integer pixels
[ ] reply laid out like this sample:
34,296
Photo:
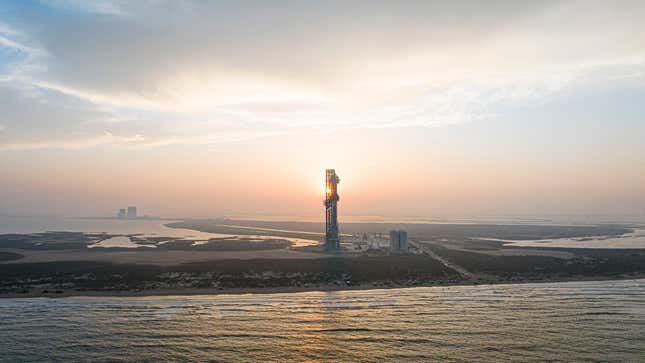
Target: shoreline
61,293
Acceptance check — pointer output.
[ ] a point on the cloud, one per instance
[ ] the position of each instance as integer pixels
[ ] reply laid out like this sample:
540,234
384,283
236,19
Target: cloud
42,118
8,43
73,144
103,7
164,69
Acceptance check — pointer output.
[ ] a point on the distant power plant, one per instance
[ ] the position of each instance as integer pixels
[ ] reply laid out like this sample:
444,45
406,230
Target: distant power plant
399,241
332,240
130,213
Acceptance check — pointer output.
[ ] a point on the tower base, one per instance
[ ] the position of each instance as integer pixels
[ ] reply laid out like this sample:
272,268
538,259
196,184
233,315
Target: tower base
332,245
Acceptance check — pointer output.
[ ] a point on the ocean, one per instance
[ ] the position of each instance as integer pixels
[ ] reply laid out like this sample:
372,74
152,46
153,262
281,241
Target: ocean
573,321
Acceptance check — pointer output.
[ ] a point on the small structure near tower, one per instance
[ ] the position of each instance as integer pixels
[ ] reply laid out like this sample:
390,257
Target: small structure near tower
332,239
398,241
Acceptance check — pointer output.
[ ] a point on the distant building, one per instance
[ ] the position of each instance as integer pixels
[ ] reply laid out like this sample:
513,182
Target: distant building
399,241
132,212
394,240
403,240
121,213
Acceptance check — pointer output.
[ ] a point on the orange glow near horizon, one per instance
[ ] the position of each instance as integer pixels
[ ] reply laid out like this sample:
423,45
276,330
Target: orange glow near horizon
204,184
532,110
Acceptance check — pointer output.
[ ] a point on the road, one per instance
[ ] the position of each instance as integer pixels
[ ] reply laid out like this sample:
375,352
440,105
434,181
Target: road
422,247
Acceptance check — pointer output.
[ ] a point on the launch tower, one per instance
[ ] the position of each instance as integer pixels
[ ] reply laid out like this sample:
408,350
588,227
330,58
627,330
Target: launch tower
332,241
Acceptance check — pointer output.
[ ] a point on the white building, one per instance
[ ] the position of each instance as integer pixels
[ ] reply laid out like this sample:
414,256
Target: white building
399,241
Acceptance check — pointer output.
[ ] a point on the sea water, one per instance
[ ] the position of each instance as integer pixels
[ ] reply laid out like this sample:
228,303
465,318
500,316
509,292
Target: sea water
573,321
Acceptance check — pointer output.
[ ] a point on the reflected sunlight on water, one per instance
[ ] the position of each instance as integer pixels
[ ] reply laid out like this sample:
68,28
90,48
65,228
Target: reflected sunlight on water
530,322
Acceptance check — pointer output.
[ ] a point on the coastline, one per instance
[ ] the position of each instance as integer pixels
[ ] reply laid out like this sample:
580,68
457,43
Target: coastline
52,265
62,293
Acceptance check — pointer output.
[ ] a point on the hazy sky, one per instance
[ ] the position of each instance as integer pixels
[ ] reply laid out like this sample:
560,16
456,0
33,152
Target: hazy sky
210,108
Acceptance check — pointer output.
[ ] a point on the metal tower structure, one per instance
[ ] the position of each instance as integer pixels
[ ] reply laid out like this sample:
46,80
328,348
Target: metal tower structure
332,240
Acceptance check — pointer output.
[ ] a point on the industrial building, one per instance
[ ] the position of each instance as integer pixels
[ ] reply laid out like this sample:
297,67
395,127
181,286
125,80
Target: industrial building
132,212
332,239
398,241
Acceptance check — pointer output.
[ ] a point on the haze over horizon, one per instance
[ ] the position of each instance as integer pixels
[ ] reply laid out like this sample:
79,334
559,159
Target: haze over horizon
189,108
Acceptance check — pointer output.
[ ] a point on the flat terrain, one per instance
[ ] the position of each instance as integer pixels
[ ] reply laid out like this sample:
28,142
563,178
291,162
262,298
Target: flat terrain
29,279
582,263
73,263
10,256
453,232
151,256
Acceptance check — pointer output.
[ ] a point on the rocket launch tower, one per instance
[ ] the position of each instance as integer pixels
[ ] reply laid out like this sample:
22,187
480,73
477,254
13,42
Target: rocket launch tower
332,240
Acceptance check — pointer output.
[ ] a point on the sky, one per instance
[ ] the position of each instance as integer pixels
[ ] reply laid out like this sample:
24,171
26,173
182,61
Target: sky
433,109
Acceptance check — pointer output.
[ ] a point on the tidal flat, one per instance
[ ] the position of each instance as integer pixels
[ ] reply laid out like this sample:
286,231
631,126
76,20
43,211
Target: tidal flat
263,257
